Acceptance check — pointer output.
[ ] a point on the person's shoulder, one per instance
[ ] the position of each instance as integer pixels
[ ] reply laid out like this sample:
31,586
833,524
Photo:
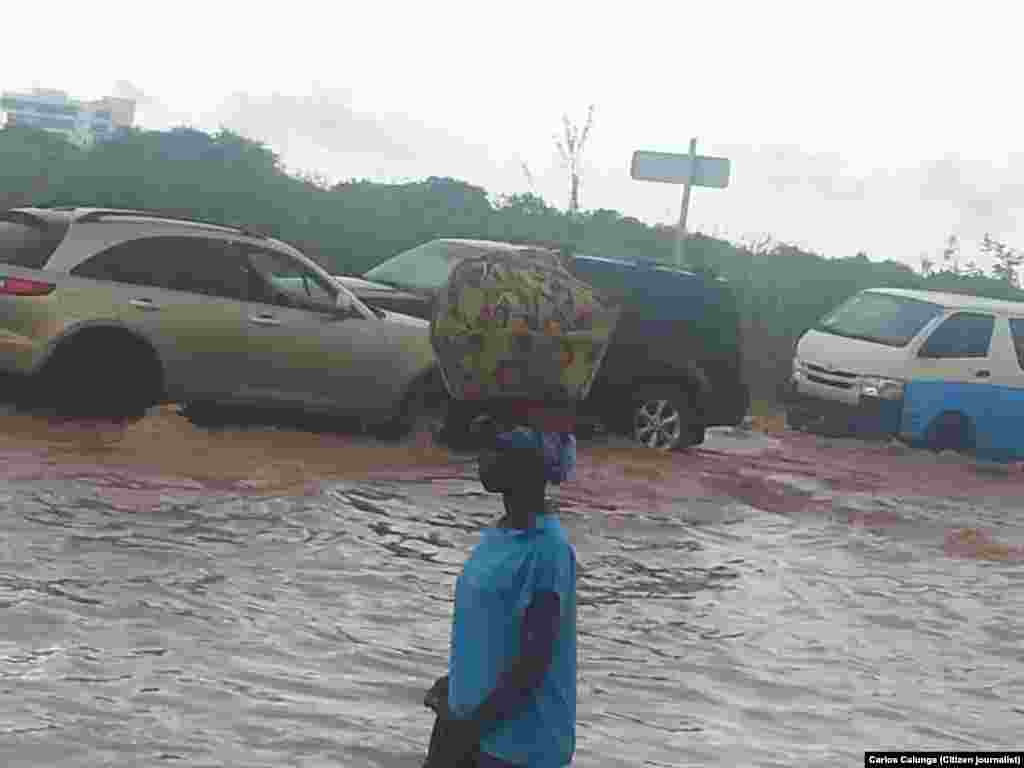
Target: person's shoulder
554,544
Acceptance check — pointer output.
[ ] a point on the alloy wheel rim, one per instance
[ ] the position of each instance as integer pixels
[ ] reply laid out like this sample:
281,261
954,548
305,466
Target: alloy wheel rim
658,425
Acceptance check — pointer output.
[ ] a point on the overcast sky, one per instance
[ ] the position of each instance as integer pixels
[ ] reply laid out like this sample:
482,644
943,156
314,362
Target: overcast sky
875,126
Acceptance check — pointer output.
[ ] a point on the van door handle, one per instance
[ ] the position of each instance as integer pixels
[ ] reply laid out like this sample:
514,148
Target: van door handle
983,374
264,320
146,304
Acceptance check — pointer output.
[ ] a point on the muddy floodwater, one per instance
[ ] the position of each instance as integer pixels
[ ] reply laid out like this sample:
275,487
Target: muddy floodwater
271,597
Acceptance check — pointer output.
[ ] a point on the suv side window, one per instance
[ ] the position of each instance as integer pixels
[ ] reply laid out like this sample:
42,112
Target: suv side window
27,241
198,265
1017,333
277,278
962,335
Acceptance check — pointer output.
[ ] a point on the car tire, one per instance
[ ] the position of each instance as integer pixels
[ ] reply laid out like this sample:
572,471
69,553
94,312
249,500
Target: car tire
666,423
101,376
697,436
950,431
460,429
204,415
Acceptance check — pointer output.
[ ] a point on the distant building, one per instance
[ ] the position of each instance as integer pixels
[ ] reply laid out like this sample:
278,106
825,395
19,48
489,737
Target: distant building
83,122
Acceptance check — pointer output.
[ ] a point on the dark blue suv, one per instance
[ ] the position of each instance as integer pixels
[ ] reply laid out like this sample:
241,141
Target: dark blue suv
674,364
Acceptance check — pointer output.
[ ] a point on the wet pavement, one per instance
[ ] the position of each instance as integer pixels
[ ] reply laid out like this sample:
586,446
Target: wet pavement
271,597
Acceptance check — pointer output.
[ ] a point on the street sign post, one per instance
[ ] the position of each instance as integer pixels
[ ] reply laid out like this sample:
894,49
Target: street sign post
689,170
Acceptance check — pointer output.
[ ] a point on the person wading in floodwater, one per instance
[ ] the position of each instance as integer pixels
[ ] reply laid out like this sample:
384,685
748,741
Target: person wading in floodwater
509,699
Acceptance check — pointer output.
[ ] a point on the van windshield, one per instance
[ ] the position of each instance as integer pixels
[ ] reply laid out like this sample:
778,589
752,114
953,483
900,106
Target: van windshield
880,317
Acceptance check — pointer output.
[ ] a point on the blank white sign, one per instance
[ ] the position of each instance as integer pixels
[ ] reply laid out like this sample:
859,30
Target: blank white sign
671,168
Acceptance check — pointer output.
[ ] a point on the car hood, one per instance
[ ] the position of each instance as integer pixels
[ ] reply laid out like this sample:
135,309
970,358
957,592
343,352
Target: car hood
865,358
355,284
370,289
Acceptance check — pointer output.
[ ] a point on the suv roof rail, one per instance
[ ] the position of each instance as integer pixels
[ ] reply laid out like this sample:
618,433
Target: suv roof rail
96,214
650,261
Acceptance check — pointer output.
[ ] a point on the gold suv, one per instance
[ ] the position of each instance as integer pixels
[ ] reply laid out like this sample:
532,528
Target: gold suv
107,312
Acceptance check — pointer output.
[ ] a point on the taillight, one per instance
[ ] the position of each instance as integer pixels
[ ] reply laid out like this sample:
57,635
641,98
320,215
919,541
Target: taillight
20,286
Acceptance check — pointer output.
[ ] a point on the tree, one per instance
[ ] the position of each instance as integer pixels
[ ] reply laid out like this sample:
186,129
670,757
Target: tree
951,254
35,165
927,265
526,203
570,148
528,174
1007,260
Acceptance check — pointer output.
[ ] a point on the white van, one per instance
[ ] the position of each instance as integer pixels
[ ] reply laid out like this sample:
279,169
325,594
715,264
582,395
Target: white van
939,369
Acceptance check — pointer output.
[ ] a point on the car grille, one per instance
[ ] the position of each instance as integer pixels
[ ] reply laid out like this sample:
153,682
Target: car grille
838,379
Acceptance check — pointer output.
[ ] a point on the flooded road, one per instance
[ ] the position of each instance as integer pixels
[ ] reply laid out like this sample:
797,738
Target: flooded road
172,596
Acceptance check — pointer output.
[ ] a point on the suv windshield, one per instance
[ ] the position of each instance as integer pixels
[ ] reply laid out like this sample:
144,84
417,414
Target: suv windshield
880,317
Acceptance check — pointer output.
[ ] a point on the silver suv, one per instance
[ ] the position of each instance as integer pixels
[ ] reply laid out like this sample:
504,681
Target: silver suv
108,312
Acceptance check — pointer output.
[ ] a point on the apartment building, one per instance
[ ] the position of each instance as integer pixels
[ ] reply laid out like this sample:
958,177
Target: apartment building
83,122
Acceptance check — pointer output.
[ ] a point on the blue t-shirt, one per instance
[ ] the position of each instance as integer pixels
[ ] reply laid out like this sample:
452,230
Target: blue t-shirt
506,569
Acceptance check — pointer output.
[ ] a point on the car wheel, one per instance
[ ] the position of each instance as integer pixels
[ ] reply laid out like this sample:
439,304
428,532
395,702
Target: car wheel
950,432
204,415
665,424
99,377
461,430
697,435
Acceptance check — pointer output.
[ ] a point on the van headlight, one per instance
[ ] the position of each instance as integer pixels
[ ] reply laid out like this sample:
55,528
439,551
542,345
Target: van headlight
885,389
798,368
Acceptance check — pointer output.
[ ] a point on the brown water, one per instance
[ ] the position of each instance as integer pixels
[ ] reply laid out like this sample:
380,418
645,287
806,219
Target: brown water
171,596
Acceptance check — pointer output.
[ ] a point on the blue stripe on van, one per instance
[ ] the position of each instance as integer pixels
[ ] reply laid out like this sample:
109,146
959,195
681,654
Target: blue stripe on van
996,414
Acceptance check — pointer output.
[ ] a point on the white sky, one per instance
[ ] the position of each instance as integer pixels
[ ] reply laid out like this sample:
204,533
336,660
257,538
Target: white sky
877,126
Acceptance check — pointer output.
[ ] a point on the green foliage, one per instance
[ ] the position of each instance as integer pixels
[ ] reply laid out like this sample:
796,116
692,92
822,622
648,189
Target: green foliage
351,226
1007,260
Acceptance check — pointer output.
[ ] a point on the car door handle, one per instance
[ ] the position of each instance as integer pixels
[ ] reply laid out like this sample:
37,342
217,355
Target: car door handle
264,320
983,374
146,304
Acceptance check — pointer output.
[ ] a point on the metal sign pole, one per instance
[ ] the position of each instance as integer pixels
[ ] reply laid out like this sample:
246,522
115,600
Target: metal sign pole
681,230
670,168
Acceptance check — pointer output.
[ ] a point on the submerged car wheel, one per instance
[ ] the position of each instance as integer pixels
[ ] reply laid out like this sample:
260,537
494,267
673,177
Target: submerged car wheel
205,415
665,424
950,432
99,375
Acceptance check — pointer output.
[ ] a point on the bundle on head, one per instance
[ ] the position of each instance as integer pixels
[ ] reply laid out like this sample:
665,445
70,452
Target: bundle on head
517,326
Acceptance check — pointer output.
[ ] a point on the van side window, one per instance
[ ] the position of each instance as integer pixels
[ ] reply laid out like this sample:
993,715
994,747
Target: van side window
1017,332
964,334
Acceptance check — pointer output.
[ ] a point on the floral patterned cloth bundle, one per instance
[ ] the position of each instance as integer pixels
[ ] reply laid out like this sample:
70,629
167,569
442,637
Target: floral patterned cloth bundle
519,325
